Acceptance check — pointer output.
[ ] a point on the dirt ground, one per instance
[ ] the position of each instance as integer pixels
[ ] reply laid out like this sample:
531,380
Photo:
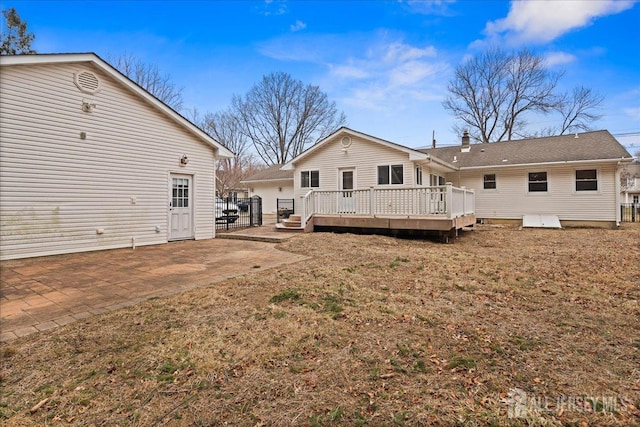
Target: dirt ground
503,327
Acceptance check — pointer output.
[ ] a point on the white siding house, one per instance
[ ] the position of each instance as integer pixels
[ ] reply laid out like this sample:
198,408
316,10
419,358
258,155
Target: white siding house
90,161
574,177
270,185
360,157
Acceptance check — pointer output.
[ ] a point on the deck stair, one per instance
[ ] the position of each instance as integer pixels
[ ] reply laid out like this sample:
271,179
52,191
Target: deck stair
293,223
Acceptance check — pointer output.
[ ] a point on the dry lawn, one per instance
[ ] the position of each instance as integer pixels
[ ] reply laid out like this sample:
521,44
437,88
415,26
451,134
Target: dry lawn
504,327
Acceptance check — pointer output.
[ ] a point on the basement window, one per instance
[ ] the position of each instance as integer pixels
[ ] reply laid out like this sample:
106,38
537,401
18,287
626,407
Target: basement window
587,180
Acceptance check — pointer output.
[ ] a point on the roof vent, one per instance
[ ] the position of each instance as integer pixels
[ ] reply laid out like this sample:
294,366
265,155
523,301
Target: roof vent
86,81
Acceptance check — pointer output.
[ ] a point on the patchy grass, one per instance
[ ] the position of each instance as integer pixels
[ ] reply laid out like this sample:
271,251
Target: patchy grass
504,327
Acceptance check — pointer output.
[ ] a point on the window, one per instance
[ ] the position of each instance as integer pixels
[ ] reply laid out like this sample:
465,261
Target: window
436,180
309,179
636,199
393,174
537,182
587,180
419,175
489,181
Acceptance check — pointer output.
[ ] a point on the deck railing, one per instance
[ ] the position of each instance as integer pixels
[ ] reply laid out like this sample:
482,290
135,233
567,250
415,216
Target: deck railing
446,201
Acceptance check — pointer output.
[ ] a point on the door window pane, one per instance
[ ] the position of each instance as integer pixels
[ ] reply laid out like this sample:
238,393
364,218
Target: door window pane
347,180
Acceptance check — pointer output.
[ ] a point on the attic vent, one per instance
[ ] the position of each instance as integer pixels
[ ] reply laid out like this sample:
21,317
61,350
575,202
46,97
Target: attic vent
86,81
345,141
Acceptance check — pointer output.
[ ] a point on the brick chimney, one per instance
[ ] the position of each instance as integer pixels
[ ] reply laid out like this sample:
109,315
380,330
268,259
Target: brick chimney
466,142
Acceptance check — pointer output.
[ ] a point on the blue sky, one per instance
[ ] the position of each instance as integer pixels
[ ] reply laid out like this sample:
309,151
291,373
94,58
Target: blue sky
386,64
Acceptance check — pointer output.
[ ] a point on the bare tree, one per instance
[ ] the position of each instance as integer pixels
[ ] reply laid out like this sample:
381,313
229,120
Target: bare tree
226,128
579,110
15,40
149,77
492,94
281,117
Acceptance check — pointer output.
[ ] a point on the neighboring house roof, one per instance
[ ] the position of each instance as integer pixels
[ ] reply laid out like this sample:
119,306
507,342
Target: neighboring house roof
413,154
70,58
272,173
589,146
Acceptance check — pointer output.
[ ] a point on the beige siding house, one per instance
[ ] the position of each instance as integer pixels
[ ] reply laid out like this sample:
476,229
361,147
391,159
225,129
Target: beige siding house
631,191
574,177
270,184
90,161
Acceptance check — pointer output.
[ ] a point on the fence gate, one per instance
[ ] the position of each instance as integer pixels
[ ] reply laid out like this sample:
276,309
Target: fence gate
285,208
234,212
630,212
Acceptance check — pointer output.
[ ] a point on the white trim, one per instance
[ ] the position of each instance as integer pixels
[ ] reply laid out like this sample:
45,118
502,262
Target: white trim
267,180
78,58
537,193
347,169
413,154
587,192
564,162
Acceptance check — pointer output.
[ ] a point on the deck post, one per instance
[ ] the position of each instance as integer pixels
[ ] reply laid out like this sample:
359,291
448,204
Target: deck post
464,200
449,200
303,210
371,201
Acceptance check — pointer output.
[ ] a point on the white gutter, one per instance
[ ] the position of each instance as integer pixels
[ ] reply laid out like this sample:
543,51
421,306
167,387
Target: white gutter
268,180
565,162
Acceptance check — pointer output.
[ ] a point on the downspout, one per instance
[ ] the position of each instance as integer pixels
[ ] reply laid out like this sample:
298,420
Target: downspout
617,193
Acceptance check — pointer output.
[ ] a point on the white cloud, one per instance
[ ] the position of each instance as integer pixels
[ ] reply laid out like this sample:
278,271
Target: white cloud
389,77
402,52
348,71
558,58
299,25
545,20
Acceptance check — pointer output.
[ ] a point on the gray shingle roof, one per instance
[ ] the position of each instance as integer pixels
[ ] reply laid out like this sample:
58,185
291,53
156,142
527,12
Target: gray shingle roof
596,145
271,173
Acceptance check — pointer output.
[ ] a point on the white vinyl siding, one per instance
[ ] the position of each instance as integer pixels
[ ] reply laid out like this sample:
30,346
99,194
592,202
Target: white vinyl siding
512,199
363,156
57,189
270,191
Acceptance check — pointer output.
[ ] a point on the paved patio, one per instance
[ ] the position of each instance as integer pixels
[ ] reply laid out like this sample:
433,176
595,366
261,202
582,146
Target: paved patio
37,294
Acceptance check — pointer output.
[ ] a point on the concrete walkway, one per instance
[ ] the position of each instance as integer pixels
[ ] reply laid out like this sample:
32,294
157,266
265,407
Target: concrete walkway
37,294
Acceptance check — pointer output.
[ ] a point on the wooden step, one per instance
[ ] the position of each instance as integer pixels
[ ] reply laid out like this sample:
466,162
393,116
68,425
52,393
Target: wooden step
282,227
289,223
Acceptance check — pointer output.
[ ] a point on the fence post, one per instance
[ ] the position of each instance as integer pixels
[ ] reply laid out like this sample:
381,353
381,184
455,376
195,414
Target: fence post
449,200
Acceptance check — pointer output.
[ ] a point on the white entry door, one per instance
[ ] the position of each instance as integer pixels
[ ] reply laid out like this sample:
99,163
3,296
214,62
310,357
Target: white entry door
346,202
181,207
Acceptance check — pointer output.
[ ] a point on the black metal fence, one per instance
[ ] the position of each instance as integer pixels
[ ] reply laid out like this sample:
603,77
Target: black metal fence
630,212
285,207
233,212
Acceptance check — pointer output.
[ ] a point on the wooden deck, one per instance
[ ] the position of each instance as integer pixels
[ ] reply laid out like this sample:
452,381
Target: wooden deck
394,222
442,210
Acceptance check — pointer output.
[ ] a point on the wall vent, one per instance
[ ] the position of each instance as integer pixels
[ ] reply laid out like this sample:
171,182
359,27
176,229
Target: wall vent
86,81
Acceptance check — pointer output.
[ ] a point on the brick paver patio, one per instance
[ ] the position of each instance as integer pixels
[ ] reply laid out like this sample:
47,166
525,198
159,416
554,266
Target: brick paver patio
37,294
